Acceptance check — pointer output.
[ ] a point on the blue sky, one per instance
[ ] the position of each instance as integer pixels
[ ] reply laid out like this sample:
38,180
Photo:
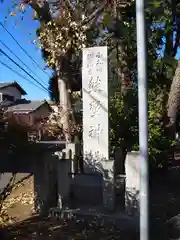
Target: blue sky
25,32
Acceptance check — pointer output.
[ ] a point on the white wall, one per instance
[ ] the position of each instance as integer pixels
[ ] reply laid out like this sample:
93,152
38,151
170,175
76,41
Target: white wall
12,91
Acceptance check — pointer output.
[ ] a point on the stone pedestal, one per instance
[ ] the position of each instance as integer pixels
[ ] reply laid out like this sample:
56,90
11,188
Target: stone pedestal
132,189
108,186
66,164
86,189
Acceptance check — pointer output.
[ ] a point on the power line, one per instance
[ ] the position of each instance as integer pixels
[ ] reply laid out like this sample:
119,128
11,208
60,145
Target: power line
24,50
20,60
24,77
1,51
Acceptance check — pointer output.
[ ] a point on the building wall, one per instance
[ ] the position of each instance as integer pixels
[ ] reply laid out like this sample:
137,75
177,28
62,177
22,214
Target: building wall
42,112
30,119
11,91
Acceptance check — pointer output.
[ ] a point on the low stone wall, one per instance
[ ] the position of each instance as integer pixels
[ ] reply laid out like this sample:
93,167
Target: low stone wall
54,180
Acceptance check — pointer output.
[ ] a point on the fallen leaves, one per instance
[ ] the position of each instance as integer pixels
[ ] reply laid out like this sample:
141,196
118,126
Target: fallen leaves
23,198
17,196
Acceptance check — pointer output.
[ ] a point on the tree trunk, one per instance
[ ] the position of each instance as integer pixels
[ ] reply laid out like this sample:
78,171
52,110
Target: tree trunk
173,105
121,49
64,102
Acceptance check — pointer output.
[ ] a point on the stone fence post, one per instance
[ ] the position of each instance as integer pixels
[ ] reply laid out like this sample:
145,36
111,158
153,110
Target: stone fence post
132,189
45,178
108,186
66,168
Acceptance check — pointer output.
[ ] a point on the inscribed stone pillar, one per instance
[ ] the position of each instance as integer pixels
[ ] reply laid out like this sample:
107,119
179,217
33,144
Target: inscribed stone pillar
132,168
96,119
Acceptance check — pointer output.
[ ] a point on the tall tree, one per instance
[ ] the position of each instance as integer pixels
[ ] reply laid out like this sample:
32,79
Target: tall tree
67,26
64,32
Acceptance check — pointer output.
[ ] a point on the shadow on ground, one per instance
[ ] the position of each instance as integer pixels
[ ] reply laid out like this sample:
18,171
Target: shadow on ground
164,204
164,201
37,228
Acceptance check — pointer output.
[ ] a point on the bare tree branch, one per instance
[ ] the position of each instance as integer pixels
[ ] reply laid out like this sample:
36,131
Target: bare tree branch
42,10
95,13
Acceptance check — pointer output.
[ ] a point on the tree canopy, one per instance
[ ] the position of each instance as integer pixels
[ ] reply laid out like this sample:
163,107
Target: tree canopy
67,26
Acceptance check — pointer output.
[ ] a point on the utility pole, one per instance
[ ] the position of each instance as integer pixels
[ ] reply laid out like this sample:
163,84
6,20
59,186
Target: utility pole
143,117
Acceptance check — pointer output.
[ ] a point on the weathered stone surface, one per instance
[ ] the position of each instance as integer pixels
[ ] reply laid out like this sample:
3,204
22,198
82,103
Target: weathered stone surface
87,189
45,178
108,187
95,108
96,120
64,167
132,188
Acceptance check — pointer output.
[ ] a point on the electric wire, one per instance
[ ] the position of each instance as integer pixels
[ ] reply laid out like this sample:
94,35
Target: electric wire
5,54
2,25
19,74
20,60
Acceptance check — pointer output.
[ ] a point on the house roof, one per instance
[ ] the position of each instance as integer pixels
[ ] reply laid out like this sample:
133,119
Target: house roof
24,105
13,84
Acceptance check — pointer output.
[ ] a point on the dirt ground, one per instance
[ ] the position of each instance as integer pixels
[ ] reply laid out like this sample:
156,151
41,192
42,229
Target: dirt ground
46,229
24,225
19,204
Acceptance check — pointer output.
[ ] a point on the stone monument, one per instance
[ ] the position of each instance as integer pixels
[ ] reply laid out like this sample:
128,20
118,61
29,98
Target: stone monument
96,120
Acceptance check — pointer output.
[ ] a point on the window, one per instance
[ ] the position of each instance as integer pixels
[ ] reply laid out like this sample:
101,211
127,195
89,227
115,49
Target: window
7,97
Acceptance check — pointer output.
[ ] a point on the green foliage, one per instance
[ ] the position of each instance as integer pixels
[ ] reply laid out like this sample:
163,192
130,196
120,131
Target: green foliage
162,19
159,142
124,120
124,125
